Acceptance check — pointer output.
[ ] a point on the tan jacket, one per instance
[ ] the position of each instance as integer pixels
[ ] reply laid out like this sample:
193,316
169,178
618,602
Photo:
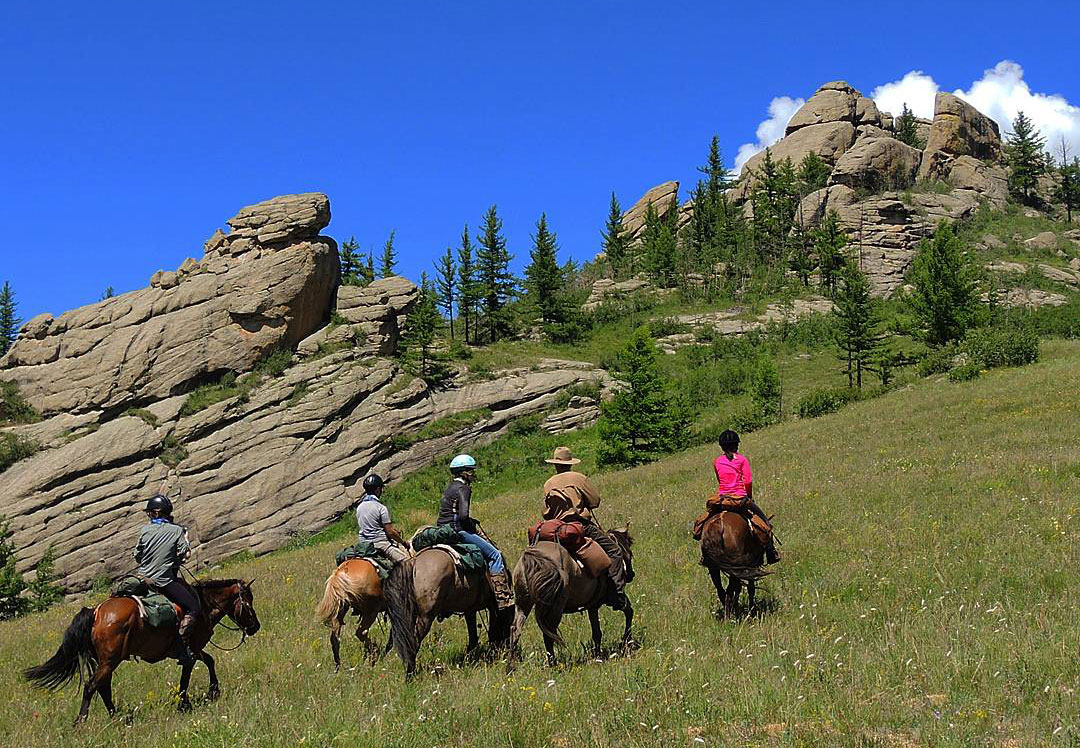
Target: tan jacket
569,493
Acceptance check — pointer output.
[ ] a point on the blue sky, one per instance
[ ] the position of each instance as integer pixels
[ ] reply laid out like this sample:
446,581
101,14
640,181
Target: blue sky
131,130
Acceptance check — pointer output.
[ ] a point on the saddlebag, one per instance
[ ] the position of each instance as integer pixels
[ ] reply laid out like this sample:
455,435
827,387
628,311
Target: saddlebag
593,558
570,535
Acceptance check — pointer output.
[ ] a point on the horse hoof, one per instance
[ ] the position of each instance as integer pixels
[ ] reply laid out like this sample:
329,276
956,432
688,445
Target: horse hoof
184,706
213,694
80,720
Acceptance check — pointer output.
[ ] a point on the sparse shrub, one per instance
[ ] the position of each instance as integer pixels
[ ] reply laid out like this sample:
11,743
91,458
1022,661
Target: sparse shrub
589,389
827,400
150,419
992,347
459,351
14,448
765,389
936,361
965,372
664,326
525,425
44,592
13,408
172,451
298,393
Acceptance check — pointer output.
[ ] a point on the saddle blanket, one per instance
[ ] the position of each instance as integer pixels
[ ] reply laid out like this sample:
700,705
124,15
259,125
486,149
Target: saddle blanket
156,609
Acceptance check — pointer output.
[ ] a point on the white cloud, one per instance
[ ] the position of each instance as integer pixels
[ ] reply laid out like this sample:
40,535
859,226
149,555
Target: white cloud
781,110
1000,94
916,89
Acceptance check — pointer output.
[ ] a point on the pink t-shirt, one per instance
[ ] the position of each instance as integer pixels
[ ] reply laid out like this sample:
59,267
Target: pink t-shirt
733,475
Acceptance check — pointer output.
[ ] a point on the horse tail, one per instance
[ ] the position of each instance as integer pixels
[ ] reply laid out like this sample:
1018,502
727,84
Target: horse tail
334,598
400,595
547,588
75,654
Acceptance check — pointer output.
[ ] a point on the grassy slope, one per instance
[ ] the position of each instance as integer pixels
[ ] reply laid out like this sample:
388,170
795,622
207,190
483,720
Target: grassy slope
928,598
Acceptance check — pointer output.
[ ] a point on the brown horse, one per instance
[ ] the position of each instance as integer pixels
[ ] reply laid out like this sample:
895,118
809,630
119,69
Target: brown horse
99,639
547,577
429,586
355,586
729,547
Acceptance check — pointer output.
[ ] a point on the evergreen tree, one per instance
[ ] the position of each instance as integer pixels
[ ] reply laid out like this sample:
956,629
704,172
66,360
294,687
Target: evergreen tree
717,176
368,274
108,293
420,336
775,201
544,279
708,237
802,259
829,242
12,603
615,244
813,173
1025,156
468,288
945,297
1068,190
349,263
856,322
644,420
446,283
906,127
388,259
496,281
9,318
44,592
658,244
766,391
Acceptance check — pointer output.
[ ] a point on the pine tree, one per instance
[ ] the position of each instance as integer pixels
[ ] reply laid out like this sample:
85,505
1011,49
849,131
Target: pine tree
708,239
420,336
12,603
907,129
766,392
717,176
1068,190
544,279
813,173
496,281
775,201
367,274
468,289
829,242
446,284
9,318
802,259
856,322
349,263
644,420
1025,157
945,297
658,244
44,592
108,293
388,259
615,244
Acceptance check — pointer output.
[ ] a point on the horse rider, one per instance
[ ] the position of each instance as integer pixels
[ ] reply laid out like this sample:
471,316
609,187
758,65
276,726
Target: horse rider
374,524
736,482
454,511
163,545
570,496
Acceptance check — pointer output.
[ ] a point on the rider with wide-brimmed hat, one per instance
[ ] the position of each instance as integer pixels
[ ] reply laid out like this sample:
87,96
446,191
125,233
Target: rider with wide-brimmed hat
454,511
571,496
373,522
162,547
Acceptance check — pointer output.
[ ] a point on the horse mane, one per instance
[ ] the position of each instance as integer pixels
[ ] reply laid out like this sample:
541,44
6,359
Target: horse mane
216,584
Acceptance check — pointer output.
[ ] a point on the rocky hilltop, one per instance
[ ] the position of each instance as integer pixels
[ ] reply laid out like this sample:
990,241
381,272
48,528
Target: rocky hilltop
286,451
887,194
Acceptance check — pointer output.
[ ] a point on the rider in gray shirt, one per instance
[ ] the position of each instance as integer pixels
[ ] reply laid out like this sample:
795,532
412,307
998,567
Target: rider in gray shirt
373,521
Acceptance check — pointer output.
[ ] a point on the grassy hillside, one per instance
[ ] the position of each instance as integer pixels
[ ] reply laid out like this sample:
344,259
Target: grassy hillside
928,598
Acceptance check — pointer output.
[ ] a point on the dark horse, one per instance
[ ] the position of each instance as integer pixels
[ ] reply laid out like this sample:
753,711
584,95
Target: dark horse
729,548
430,586
99,639
549,578
354,585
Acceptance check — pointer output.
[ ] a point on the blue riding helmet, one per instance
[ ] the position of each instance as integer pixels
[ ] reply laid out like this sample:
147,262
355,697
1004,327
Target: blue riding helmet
462,462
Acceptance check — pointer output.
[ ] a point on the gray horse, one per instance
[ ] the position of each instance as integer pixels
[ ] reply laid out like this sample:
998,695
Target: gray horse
428,587
548,578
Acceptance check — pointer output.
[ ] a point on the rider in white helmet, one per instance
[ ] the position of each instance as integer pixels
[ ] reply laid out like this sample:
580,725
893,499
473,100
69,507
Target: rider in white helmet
454,511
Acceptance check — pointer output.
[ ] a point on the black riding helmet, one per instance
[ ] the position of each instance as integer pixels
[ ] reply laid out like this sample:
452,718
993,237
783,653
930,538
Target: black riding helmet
729,440
373,481
159,503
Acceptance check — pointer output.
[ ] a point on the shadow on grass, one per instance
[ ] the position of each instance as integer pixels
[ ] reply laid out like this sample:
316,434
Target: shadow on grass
764,605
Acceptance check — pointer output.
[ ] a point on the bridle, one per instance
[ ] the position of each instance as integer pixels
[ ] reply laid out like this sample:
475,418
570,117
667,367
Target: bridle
240,606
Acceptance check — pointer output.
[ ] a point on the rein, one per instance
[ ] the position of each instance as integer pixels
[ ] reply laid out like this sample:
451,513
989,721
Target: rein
221,622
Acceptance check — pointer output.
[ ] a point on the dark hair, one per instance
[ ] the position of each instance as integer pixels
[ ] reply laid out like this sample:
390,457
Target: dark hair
729,440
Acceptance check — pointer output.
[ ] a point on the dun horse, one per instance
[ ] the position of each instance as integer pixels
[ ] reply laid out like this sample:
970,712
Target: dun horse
98,640
355,586
728,547
429,586
549,578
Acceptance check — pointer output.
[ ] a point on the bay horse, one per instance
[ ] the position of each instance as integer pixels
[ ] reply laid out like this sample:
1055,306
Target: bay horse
729,547
549,578
353,586
430,586
99,639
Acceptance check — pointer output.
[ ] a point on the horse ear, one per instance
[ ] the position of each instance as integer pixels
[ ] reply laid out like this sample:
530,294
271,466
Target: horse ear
250,583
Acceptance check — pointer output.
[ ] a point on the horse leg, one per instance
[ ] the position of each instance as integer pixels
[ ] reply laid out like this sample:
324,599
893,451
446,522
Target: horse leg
423,625
185,679
751,593
100,683
733,591
594,622
627,639
718,582
367,618
104,688
214,691
521,614
474,638
335,635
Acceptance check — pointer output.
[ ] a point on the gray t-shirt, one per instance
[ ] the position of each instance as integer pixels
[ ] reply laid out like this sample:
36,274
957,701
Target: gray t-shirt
162,547
371,515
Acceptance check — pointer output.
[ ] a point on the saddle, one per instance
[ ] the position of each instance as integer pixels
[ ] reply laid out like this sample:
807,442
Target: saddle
154,608
739,505
366,550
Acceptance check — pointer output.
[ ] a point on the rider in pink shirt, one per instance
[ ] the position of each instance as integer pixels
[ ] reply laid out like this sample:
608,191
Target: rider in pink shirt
735,480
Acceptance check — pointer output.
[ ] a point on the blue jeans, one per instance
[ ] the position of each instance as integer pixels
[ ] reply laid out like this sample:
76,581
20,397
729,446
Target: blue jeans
491,553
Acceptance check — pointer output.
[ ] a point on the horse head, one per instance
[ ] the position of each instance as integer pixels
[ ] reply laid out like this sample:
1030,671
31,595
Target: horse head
625,541
233,598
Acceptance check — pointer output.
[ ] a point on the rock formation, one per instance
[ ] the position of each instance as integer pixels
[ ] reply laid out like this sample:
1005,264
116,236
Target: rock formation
280,455
662,197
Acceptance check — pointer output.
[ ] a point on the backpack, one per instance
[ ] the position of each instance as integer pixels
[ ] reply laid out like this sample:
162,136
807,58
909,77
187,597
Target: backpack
570,535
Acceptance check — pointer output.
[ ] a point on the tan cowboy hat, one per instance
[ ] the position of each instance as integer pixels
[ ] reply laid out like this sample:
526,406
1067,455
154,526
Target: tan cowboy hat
563,456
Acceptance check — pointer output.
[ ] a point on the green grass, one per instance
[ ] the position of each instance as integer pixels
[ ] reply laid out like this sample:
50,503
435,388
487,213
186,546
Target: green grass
273,364
14,448
444,426
13,408
927,598
1012,227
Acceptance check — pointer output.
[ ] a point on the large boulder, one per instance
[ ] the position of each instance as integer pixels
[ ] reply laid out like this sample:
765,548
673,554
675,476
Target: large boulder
269,283
828,140
877,163
958,129
837,101
663,197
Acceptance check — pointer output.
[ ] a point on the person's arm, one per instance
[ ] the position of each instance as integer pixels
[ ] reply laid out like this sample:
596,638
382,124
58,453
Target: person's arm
590,497
748,479
183,546
137,553
468,524
393,534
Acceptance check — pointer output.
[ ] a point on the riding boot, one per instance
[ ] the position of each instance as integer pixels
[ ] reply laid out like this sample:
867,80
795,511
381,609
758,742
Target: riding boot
184,633
501,588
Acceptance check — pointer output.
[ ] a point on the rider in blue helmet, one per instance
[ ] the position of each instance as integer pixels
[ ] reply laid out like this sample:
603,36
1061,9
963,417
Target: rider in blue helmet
454,511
